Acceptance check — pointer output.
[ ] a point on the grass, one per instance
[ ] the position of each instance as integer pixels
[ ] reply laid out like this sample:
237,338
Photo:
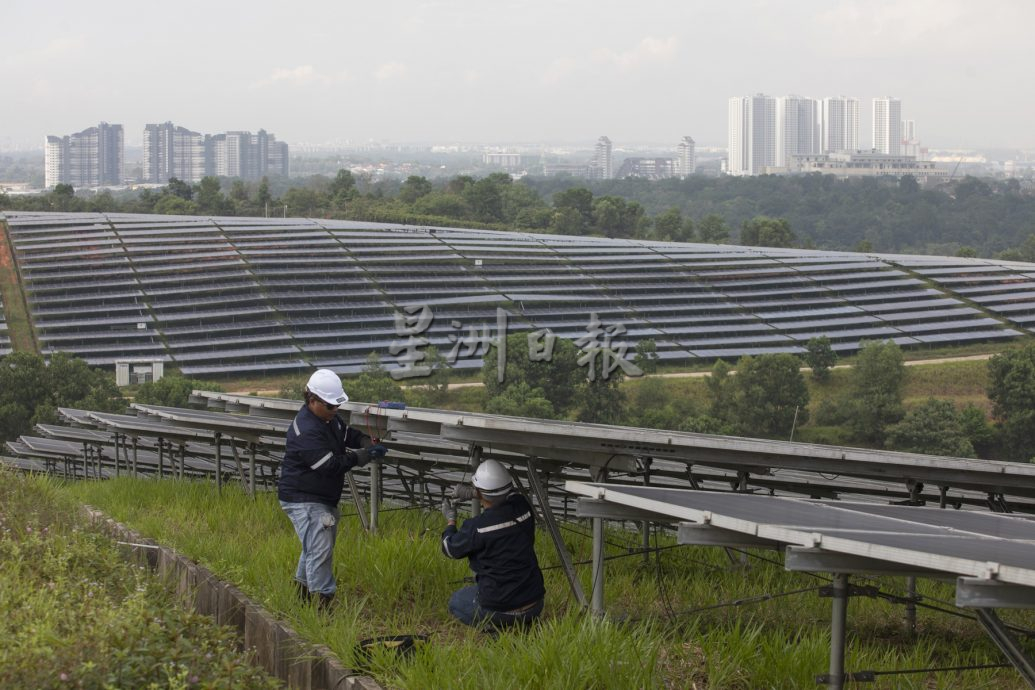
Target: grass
397,581
15,310
75,614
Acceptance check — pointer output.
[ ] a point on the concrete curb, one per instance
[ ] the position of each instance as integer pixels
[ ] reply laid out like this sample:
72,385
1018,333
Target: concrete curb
273,645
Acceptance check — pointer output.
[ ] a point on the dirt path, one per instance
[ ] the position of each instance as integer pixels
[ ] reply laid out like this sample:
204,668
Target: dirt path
15,310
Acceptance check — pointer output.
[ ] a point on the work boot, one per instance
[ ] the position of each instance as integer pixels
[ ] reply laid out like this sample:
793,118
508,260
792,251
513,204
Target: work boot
304,595
325,602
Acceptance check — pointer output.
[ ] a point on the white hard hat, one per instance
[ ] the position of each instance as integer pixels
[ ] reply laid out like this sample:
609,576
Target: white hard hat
326,385
491,478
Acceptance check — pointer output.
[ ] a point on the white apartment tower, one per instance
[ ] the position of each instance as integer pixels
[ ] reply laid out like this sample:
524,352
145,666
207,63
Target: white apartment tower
686,157
839,124
91,158
752,134
797,128
171,151
603,165
887,125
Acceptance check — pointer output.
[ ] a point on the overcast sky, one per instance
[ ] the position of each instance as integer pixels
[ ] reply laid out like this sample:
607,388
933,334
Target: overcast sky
499,71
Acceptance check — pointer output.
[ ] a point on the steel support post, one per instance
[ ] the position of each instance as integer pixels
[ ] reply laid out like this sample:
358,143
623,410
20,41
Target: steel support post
363,519
116,454
645,525
942,491
218,438
161,456
597,604
475,459
838,618
1000,634
539,489
375,494
911,606
251,469
86,460
183,459
134,456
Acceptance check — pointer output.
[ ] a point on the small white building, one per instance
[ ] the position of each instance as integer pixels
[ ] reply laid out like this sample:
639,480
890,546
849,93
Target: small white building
136,371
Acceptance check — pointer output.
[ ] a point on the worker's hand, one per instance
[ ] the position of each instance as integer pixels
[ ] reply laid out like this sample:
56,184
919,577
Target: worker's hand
448,510
365,455
463,492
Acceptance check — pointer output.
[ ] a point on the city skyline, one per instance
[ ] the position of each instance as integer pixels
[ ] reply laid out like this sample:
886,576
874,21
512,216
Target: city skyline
457,70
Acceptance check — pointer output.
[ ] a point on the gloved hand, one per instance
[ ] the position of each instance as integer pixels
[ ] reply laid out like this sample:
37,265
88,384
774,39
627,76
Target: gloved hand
463,492
365,455
448,510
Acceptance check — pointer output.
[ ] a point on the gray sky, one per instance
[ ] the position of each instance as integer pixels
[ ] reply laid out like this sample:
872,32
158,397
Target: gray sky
488,71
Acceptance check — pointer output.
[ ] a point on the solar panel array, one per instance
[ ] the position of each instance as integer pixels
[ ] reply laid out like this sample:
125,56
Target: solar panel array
5,338
238,295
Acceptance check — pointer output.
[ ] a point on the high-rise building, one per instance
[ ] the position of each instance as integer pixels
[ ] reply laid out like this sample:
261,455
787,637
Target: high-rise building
245,155
602,167
839,124
887,125
797,128
752,134
910,141
171,151
686,157
91,158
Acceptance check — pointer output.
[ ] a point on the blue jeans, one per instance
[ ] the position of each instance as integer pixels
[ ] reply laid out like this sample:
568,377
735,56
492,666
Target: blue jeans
465,607
316,525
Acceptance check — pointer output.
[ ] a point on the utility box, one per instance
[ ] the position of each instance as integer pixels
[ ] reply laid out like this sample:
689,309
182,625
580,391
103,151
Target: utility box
136,371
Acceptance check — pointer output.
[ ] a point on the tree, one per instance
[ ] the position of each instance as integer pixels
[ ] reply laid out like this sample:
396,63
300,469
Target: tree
521,400
668,226
1011,388
712,229
646,357
178,187
762,231
172,205
210,197
720,390
874,398
820,357
31,391
601,400
559,379
433,389
171,391
374,383
579,199
414,188
769,391
932,428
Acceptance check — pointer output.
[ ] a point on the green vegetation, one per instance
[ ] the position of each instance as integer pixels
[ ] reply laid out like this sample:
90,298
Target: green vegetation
663,632
76,615
171,391
965,217
31,390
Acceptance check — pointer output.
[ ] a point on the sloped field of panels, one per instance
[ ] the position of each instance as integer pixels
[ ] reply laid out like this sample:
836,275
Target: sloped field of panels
237,295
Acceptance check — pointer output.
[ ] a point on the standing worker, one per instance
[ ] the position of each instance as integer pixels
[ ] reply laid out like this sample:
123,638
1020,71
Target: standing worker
320,450
500,546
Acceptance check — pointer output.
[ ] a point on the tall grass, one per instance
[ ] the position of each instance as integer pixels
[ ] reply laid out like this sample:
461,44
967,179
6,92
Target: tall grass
668,625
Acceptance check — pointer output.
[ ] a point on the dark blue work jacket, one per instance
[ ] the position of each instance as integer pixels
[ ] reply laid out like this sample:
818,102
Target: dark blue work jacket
316,459
500,544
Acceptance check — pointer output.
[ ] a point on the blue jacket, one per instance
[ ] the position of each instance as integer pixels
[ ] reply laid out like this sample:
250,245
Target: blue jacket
500,544
316,459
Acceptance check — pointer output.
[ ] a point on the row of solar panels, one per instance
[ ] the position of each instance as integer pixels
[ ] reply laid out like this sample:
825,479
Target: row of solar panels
239,295
5,337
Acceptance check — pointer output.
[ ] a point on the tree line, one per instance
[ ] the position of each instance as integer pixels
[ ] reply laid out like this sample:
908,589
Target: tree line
966,217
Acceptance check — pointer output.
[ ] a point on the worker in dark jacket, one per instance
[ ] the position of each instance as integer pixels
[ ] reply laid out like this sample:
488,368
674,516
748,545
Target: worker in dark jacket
320,450
500,547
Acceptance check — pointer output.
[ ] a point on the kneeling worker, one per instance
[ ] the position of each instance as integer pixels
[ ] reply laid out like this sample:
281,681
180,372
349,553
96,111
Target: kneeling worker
320,449
500,545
